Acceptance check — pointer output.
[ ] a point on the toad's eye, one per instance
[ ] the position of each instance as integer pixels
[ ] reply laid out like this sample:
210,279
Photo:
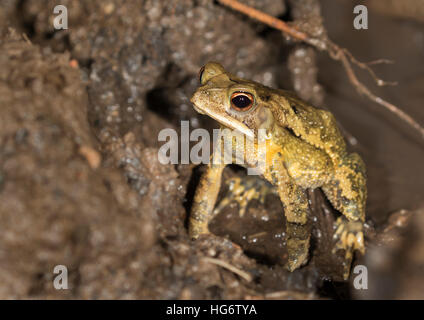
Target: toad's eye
241,101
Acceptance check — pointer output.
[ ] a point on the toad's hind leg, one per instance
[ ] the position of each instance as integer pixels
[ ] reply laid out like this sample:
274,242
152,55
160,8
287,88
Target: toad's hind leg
347,192
243,191
296,210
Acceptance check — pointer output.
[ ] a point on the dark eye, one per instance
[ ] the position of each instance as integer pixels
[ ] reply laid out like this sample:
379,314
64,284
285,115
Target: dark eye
241,101
201,74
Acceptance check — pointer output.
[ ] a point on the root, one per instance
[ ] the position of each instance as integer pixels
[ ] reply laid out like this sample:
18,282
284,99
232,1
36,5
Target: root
246,276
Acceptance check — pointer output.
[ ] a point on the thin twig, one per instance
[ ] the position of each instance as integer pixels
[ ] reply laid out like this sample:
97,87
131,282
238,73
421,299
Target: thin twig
362,89
337,53
265,18
289,295
379,61
246,276
365,65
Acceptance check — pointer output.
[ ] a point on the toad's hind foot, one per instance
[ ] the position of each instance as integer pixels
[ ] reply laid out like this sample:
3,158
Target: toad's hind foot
243,190
350,237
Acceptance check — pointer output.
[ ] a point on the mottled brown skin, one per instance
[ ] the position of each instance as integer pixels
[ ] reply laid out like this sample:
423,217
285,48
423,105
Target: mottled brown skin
304,150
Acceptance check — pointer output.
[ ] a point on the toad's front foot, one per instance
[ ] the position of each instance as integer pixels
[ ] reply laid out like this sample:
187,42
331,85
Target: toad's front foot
298,237
298,253
197,229
350,237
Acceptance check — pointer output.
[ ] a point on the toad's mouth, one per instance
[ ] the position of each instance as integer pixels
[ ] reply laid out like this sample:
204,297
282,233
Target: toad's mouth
227,121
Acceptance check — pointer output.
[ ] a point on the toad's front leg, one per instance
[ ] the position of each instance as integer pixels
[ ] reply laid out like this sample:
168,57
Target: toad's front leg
204,200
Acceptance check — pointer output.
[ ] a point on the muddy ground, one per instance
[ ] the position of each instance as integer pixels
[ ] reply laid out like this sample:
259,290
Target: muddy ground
81,184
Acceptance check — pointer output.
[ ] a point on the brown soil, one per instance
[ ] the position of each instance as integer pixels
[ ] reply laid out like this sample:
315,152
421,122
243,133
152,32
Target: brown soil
81,184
